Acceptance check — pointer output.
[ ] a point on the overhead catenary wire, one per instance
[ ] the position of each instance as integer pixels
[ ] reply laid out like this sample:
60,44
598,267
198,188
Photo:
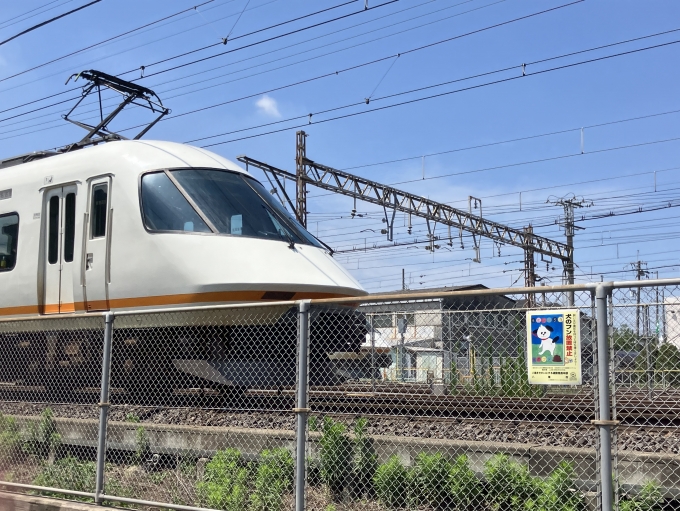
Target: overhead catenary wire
433,96
647,36
280,67
256,43
6,23
113,38
47,22
406,51
120,74
224,41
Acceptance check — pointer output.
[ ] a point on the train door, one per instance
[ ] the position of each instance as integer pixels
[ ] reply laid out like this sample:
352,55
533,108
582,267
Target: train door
97,245
60,247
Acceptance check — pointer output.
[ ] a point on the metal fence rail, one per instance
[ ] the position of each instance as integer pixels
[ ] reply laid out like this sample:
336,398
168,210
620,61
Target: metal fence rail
416,400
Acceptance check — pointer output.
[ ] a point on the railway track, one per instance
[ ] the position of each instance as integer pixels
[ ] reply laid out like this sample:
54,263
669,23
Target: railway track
632,407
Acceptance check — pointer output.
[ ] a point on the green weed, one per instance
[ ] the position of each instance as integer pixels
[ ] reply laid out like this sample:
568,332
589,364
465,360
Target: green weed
557,492
274,478
510,487
464,487
335,456
649,499
70,474
391,482
428,479
365,460
10,439
42,435
142,445
224,484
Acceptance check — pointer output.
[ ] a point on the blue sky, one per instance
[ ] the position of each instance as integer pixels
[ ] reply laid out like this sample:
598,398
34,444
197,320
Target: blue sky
615,180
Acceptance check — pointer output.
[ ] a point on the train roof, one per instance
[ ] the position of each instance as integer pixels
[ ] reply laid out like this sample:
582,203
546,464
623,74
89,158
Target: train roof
140,155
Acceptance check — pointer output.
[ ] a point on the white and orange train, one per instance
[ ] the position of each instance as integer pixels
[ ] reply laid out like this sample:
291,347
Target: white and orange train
146,224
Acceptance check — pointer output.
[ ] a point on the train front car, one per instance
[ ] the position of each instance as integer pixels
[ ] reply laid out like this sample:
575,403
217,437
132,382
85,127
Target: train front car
160,226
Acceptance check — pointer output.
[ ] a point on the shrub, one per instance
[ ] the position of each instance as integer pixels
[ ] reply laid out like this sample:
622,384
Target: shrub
464,486
558,493
391,483
428,479
510,486
274,477
336,456
649,499
224,485
365,460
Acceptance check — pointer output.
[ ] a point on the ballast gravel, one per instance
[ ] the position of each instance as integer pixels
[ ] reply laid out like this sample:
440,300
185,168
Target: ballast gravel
640,439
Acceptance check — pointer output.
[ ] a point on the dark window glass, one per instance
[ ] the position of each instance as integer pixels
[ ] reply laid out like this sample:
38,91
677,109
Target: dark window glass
53,234
9,236
69,227
240,206
383,321
165,209
99,202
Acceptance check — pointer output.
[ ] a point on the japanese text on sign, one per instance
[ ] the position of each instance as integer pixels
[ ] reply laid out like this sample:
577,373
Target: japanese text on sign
554,347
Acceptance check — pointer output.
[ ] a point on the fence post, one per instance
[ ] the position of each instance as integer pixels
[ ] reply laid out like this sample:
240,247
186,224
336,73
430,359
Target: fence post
104,407
604,423
302,409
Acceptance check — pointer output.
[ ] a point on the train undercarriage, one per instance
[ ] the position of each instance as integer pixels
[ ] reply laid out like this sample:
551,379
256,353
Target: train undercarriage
154,358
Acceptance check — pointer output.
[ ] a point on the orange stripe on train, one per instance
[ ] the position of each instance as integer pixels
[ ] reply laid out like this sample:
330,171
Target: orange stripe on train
165,300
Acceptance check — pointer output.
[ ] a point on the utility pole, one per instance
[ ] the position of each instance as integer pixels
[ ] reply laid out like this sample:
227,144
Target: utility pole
301,173
403,279
529,264
569,229
640,271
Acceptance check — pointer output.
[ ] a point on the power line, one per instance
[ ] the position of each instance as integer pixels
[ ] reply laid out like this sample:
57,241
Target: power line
256,43
226,39
76,88
351,68
508,141
273,51
433,96
102,42
6,23
35,27
389,35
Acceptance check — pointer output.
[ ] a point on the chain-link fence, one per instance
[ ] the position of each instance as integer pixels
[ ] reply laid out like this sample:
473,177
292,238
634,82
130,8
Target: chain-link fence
555,399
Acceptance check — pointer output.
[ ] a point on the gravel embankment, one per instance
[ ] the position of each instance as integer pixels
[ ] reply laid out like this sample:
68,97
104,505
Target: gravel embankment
639,439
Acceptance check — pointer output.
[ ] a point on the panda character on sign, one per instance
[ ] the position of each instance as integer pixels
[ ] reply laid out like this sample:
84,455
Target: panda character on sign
544,333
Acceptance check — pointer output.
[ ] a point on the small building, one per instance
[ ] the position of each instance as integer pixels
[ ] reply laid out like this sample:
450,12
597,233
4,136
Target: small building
427,336
430,338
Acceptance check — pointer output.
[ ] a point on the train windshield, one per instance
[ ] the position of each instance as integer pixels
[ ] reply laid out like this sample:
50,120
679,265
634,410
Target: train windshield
218,201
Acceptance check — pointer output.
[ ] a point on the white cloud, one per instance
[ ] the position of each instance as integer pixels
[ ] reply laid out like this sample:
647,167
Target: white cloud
268,106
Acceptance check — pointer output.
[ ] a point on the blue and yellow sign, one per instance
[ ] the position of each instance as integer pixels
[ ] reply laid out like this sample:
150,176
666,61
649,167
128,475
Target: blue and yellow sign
554,347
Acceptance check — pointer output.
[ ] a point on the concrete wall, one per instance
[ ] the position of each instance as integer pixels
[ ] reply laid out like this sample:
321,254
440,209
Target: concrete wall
17,502
635,468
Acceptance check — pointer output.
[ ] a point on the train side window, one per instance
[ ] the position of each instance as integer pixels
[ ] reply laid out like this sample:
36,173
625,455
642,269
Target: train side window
9,236
53,235
69,227
98,211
